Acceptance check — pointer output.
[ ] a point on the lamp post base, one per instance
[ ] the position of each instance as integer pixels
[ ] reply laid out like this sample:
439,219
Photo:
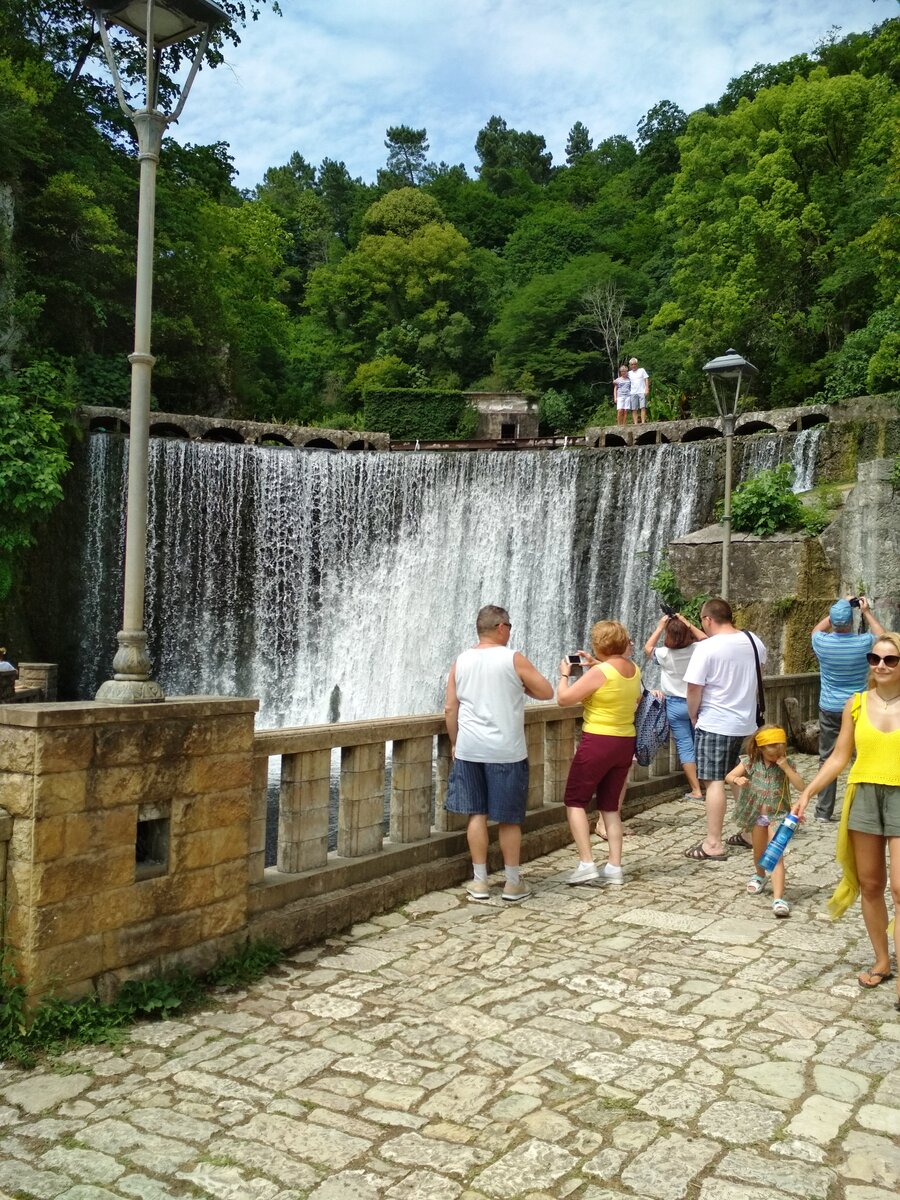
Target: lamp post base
131,683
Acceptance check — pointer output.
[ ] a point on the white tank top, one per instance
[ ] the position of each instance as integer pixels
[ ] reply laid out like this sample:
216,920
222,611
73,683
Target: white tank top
491,707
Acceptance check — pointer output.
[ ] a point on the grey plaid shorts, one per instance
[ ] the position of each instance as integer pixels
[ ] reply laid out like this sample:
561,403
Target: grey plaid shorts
717,754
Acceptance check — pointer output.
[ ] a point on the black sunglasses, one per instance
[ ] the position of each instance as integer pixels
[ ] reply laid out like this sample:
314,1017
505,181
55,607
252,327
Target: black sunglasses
889,660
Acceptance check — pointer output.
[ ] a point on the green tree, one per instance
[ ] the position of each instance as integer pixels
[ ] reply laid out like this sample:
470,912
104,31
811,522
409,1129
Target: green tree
509,157
407,149
36,407
578,143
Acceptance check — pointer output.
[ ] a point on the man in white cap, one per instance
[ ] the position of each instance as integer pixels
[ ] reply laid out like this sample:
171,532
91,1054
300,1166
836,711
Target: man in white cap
640,389
843,670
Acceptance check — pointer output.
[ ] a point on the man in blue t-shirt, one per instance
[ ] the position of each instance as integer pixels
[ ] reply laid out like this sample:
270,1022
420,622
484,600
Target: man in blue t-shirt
843,670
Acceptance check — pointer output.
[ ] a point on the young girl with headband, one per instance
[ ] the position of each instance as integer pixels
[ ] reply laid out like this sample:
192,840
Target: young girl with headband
762,782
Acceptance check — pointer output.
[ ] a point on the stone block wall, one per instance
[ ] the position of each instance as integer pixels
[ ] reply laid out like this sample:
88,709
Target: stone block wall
130,837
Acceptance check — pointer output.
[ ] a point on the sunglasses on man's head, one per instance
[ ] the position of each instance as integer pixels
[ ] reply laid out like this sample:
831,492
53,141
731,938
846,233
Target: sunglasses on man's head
889,660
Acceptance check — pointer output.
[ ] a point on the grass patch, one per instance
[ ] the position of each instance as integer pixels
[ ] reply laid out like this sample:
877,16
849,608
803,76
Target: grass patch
57,1025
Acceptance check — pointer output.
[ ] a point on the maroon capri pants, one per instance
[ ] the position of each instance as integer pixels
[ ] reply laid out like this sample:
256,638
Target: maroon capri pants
600,767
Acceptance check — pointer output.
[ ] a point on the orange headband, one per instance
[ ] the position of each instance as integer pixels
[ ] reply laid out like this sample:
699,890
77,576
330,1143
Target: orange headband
771,737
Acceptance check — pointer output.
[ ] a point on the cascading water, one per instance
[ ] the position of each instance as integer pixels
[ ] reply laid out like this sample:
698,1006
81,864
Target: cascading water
341,586
764,451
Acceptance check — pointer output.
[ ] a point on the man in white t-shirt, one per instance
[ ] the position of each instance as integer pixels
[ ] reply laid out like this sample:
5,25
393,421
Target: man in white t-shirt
640,388
485,714
722,698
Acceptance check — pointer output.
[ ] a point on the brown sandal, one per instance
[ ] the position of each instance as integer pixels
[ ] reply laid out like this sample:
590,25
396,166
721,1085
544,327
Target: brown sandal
880,976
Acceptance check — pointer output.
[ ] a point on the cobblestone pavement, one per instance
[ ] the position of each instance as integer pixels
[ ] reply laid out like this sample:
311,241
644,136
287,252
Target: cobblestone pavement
664,1039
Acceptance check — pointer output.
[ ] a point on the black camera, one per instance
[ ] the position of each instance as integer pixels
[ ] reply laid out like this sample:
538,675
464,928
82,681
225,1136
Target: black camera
670,611
854,601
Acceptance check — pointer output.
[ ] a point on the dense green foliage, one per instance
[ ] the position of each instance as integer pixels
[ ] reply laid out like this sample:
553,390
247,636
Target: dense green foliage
765,505
764,220
429,413
56,1025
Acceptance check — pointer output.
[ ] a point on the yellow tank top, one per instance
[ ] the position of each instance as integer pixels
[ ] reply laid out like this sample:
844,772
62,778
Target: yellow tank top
877,753
610,710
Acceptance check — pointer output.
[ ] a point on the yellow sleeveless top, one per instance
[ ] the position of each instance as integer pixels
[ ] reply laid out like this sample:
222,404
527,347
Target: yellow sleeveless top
610,709
877,753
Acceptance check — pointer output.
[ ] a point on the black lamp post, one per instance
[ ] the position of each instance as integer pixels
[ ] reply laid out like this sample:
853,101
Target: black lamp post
727,370
158,23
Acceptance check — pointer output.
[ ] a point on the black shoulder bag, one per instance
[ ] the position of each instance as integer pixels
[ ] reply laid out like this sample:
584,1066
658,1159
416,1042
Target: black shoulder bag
760,691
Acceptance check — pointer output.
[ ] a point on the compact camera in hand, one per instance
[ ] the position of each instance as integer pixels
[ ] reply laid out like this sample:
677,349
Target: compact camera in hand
670,611
854,601
574,660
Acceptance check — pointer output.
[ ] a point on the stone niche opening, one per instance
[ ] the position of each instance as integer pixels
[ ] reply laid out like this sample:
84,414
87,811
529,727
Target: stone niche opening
151,843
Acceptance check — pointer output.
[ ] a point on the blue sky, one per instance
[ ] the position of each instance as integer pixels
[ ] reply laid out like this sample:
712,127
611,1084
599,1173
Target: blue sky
327,79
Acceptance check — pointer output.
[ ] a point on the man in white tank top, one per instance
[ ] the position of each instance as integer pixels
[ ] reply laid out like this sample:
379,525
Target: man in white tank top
485,712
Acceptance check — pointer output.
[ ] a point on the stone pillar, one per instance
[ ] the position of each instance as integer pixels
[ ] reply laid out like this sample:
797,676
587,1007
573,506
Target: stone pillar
559,747
411,789
129,848
5,835
534,741
303,811
870,540
444,822
361,806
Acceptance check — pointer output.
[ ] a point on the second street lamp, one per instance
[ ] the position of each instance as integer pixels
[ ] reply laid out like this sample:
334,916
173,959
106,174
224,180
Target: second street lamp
158,23
728,371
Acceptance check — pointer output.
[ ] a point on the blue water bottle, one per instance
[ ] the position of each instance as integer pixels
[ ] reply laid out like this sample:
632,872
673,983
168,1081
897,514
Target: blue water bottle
773,852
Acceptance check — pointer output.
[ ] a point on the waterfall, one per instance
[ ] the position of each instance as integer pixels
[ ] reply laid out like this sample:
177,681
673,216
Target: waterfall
343,585
764,451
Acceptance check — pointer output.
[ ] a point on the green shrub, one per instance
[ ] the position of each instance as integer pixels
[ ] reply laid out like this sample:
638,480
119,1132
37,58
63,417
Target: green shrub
431,414
665,584
765,504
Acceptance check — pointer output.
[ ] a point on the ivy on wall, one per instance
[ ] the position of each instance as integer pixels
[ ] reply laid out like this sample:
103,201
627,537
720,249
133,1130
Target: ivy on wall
430,414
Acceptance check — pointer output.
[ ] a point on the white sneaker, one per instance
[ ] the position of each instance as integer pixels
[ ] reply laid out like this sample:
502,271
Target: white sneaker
478,889
583,873
613,875
513,893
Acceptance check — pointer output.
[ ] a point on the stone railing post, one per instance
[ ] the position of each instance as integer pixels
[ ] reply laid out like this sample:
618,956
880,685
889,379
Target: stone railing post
444,822
303,811
534,742
559,747
411,789
259,802
361,806
42,676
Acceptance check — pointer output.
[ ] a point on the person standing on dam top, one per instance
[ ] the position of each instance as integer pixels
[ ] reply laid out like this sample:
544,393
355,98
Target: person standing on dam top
485,713
640,389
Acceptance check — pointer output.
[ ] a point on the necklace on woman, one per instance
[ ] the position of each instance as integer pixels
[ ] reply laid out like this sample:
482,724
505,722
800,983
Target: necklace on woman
886,701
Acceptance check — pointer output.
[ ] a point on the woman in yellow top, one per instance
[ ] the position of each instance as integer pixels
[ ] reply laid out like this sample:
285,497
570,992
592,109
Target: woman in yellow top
870,818
609,692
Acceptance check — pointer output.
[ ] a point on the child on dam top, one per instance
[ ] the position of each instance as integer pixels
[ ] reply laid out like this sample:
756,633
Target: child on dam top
762,783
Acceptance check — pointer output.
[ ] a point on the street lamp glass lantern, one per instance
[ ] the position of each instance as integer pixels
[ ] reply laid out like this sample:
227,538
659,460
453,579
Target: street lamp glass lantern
173,20
722,371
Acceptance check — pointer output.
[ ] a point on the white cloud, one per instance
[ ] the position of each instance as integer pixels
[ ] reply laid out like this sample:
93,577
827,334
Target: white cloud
327,80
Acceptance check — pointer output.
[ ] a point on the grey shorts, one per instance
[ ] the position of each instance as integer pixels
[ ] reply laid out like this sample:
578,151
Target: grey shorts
875,809
495,790
717,754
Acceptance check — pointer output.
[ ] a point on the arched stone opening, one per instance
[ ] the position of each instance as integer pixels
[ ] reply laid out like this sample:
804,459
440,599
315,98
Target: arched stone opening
810,420
755,427
223,434
167,429
319,444
360,444
107,425
275,439
700,433
614,439
646,439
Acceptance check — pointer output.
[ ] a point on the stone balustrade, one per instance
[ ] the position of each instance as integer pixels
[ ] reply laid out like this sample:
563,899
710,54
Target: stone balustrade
134,837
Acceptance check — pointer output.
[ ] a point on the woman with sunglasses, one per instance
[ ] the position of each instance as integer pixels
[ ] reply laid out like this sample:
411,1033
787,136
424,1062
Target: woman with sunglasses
870,819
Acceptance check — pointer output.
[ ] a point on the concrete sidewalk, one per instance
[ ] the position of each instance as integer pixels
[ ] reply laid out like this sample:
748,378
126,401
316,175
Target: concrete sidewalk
665,1039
